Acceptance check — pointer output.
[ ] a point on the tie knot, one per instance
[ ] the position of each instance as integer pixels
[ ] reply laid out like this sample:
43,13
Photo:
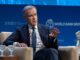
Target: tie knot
33,28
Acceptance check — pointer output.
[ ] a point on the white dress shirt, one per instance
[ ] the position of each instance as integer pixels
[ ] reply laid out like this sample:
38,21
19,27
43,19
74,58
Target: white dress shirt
39,43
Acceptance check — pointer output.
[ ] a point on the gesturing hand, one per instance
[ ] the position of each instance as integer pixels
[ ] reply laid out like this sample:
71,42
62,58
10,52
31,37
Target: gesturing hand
54,32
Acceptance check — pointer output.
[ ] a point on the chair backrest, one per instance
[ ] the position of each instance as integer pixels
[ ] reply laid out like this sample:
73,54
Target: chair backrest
68,52
4,36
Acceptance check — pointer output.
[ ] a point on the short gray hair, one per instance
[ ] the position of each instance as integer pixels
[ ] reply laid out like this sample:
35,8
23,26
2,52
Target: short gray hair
78,32
28,7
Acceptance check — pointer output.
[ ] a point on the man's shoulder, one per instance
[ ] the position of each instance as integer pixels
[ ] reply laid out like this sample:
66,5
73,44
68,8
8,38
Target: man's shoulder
25,26
43,26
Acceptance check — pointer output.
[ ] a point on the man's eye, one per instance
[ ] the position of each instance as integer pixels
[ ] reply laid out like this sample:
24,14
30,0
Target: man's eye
29,15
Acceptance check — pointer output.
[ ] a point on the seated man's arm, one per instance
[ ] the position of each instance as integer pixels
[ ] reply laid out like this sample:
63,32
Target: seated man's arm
53,43
14,37
52,38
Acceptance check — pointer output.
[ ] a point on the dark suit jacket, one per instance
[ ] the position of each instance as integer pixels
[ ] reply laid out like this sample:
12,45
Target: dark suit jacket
22,35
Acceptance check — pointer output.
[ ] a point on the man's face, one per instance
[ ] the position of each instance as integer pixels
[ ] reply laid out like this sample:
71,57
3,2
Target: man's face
31,16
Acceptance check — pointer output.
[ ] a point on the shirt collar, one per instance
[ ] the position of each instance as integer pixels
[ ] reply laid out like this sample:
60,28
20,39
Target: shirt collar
31,26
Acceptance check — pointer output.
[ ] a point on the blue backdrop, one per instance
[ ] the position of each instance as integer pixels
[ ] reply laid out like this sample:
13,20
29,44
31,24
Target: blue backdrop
66,18
43,2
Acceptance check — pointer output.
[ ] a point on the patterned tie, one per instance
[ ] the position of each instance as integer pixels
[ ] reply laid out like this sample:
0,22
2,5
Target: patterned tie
34,41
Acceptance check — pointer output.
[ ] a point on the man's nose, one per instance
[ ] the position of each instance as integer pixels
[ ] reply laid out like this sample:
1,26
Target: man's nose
34,17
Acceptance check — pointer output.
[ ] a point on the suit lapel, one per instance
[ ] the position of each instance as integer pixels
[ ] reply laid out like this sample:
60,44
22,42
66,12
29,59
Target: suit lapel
42,34
27,36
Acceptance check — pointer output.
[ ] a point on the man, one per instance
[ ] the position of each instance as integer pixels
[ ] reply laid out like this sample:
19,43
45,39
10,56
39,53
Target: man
24,35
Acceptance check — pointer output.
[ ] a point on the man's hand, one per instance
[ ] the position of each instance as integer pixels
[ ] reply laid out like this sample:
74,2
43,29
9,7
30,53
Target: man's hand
17,44
54,32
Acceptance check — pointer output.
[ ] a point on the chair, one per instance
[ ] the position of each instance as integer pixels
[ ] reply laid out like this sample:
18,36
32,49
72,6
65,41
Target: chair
4,36
23,53
68,53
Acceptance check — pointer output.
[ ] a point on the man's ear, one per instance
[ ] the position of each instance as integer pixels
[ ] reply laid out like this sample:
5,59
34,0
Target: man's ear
24,17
